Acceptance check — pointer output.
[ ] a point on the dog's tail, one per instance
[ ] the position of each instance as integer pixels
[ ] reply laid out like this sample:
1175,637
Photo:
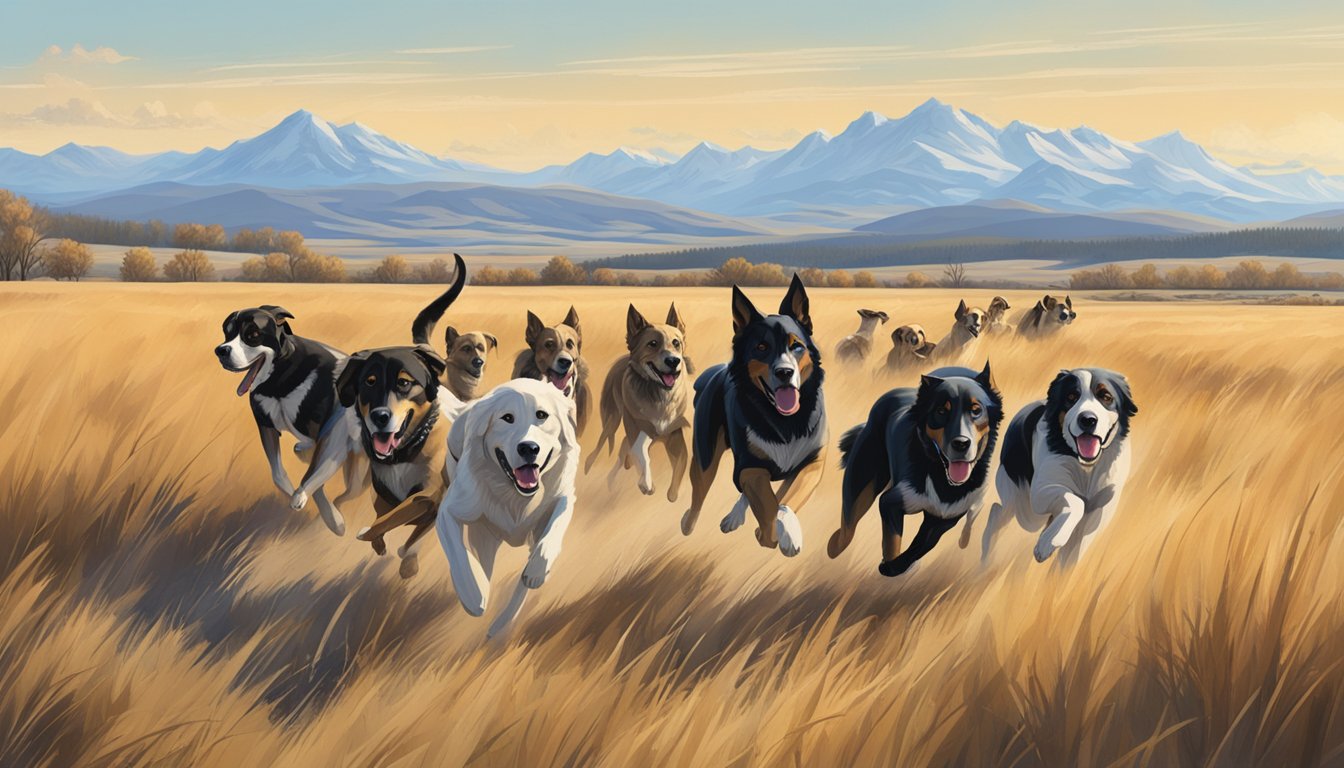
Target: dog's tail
847,442
429,316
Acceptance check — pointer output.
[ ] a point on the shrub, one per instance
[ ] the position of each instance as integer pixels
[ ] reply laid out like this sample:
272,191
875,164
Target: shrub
189,266
523,276
137,265
735,271
918,280
561,271
68,260
839,279
436,271
392,269
604,276
1248,275
1146,276
864,279
812,276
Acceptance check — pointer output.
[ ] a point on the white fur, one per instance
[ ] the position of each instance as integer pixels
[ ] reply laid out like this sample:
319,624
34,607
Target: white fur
482,507
927,501
282,411
640,450
790,455
789,532
736,516
242,356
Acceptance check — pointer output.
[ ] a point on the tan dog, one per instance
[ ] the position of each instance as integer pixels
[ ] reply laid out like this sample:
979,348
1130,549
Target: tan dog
996,318
465,354
909,348
855,347
969,324
1050,315
647,391
554,354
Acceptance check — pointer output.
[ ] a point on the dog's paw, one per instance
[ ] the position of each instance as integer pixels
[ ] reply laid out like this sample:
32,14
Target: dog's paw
789,531
839,541
298,501
673,492
1043,550
538,567
688,521
410,565
303,446
335,522
646,486
894,567
735,517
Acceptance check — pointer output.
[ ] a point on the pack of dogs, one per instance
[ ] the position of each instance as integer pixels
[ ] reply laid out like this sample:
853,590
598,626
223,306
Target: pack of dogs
485,467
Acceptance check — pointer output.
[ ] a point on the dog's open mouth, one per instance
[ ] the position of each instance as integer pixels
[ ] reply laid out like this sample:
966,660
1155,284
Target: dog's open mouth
785,399
958,472
562,381
974,332
669,380
385,443
526,479
1089,446
245,385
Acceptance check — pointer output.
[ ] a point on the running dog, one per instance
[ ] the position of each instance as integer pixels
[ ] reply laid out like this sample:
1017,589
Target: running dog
1050,315
996,317
855,347
1065,461
969,324
766,407
291,385
465,355
909,348
646,391
924,450
512,461
394,396
554,354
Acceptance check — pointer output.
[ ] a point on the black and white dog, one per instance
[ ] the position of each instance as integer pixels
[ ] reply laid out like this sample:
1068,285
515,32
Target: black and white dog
291,384
923,450
1065,462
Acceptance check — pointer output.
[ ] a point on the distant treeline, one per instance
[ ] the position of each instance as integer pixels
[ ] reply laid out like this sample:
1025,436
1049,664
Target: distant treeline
875,251
156,234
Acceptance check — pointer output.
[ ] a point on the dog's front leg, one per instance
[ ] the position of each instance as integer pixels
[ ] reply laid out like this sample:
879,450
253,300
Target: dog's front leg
1067,510
270,443
930,531
678,455
764,504
547,548
640,451
328,457
795,493
470,581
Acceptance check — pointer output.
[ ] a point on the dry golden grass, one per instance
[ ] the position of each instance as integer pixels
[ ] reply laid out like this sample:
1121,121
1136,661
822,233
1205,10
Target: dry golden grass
159,602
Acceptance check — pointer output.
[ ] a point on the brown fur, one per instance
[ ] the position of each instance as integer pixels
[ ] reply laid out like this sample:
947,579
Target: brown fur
996,317
855,347
462,378
546,343
633,396
910,348
967,320
1043,318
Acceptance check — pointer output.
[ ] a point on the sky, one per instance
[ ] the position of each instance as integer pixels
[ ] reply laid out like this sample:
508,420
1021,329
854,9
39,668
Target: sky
520,85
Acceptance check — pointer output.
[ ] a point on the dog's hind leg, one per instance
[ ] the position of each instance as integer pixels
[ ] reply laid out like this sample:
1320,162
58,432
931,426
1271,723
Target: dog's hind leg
510,611
736,516
930,531
622,462
640,452
330,515
676,453
702,477
471,562
410,560
997,519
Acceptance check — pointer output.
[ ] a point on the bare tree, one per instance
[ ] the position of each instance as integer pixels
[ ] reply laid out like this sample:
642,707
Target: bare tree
954,275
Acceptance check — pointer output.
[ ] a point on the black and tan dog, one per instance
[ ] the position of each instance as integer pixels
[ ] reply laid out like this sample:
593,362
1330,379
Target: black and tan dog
402,415
646,391
766,408
924,450
1050,315
855,347
555,354
465,355
910,348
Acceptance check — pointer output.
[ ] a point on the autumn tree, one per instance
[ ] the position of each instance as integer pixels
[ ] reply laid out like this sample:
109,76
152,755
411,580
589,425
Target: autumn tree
734,271
523,276
864,279
561,271
189,266
199,237
137,265
839,278
489,276
67,260
20,236
271,268
1248,275
1287,275
435,271
392,269
1146,277
812,276
605,276
918,280
767,274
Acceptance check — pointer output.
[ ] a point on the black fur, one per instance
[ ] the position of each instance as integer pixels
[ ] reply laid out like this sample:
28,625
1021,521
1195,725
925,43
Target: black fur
1017,446
424,323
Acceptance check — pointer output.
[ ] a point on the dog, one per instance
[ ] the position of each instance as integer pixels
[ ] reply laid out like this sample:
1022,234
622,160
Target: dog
855,347
969,323
909,348
512,461
924,450
465,355
996,317
399,409
1050,315
765,407
290,382
646,391
1065,462
555,354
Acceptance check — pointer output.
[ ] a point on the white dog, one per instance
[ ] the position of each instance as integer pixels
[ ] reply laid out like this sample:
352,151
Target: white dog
1065,461
512,461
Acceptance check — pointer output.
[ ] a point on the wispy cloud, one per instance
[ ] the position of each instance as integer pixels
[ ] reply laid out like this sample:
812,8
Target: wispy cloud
81,55
458,49
91,112
308,64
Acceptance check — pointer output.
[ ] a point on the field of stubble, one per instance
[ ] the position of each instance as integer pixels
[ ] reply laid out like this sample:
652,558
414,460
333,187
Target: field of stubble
160,603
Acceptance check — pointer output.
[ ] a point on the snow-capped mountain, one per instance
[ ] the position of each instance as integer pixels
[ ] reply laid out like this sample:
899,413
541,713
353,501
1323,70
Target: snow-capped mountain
593,169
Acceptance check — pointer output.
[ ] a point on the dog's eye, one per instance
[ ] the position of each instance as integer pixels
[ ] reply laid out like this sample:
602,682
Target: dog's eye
1073,397
976,410
1105,397
550,344
403,384
947,406
653,344
676,344
252,336
797,348
542,415
507,418
569,344
762,347
369,382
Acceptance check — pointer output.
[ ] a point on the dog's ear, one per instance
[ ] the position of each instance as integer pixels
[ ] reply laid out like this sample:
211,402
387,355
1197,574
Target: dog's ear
898,335
490,341
961,310
569,423
927,384
674,318
986,379
434,366
1000,302
280,314
534,329
347,384
634,323
450,335
1121,385
572,320
744,312
1068,301
1048,302
796,305
883,317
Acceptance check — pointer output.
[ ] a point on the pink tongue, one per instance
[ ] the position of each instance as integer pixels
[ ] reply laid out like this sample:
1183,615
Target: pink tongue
669,380
559,381
786,400
246,383
1089,446
958,471
526,477
385,445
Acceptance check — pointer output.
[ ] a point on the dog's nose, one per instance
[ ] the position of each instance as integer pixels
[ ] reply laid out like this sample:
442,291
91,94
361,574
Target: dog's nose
672,363
1087,421
222,350
381,417
961,444
562,364
529,451
784,374
477,362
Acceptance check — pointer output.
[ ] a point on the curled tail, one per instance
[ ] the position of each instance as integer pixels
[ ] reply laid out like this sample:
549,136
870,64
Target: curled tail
847,441
424,322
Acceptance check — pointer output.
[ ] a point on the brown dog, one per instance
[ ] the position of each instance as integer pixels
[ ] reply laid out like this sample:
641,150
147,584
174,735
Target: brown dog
910,348
969,324
996,317
855,347
465,355
647,391
554,354
1050,315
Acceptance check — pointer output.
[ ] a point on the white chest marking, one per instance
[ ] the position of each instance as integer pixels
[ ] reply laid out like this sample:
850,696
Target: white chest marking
927,500
399,479
789,456
282,411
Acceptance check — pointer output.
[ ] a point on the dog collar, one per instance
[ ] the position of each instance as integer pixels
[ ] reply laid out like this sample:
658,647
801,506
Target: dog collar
411,447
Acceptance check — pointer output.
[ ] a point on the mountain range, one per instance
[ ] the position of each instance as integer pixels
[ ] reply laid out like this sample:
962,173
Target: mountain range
934,157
